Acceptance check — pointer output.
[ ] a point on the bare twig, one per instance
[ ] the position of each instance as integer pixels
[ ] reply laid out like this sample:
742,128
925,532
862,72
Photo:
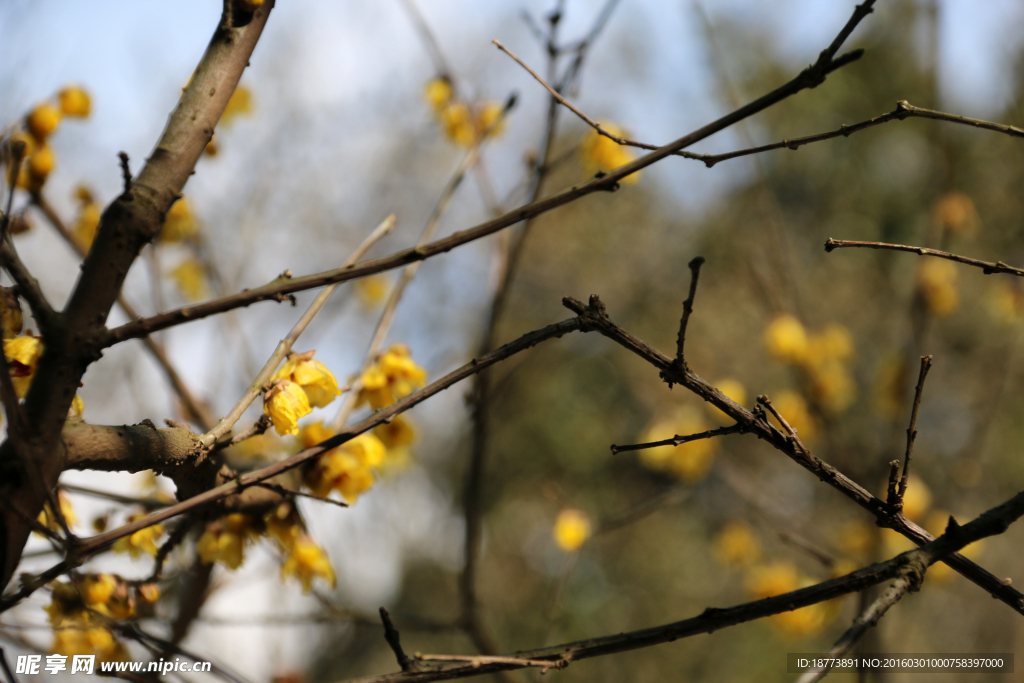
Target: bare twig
679,440
867,619
394,642
910,565
102,541
694,265
477,661
596,319
288,493
126,171
987,267
926,364
278,289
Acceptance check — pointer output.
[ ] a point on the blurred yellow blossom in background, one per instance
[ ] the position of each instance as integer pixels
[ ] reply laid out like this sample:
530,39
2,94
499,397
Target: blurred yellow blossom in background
190,277
601,153
936,285
689,461
225,539
88,219
74,101
736,544
735,391
571,529
955,213
306,561
786,339
142,541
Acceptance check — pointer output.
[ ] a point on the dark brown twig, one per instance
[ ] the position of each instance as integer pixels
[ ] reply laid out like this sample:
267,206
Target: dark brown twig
278,289
987,267
679,440
926,364
595,319
910,565
394,642
868,618
289,493
694,266
126,171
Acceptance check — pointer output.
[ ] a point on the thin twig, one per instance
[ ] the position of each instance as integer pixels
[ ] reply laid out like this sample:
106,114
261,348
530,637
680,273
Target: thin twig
126,171
926,364
148,503
285,345
910,565
477,661
694,265
394,642
395,295
102,541
679,440
287,492
987,267
867,619
596,320
278,289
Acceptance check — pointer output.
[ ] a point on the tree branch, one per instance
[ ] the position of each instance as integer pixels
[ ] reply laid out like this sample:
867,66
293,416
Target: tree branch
987,267
278,289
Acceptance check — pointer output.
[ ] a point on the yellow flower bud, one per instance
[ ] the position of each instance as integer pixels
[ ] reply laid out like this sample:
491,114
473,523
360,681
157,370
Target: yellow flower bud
23,354
42,121
307,561
74,101
313,376
285,404
438,93
571,530
786,339
601,153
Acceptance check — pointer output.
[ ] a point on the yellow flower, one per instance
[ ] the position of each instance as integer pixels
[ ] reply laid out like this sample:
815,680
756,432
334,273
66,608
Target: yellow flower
74,101
307,561
955,213
88,218
489,121
779,578
190,276
855,539
734,390
736,544
834,343
148,593
76,631
240,104
457,122
142,541
66,510
86,640
438,93
284,525
831,386
917,499
285,404
42,121
571,530
38,167
313,376
793,408
1006,302
347,469
689,461
601,153
786,339
23,356
398,433
224,540
77,407
393,376
936,284
373,289
180,223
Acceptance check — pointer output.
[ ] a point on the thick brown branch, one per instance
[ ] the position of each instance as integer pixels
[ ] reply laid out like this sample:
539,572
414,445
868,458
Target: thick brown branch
988,267
102,541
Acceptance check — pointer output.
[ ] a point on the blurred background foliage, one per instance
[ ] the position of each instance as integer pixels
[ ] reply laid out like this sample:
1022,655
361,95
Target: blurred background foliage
579,541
